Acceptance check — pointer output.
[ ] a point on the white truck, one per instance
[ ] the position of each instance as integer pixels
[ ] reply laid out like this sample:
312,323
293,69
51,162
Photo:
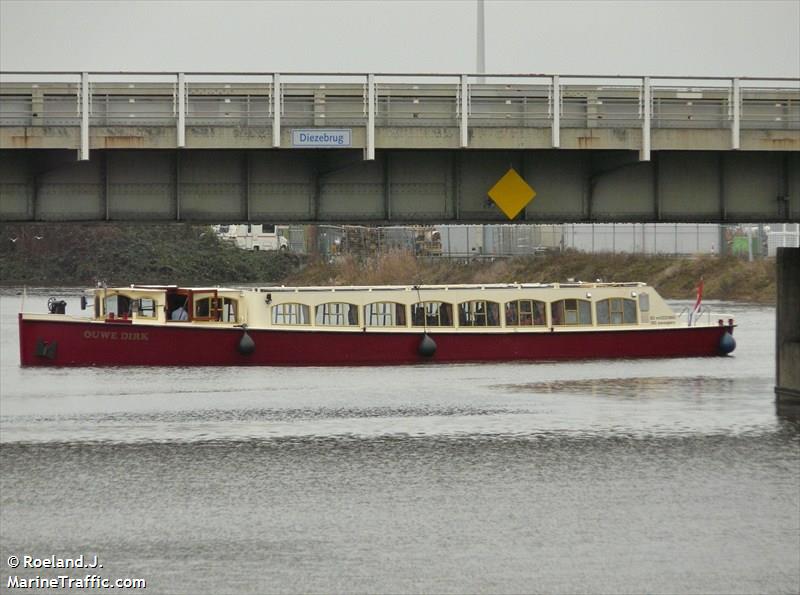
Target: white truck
255,236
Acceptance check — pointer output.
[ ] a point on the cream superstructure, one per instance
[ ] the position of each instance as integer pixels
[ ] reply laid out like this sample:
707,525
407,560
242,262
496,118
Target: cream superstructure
490,308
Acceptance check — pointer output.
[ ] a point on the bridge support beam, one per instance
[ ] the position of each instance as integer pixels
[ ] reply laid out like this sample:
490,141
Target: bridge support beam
36,186
787,333
723,205
247,168
177,191
105,186
398,187
455,184
656,188
387,186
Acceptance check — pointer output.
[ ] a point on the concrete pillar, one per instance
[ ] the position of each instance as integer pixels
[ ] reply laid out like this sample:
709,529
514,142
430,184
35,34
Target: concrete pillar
787,333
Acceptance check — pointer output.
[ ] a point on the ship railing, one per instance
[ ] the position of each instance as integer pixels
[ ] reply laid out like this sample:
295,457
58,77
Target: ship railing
703,311
368,288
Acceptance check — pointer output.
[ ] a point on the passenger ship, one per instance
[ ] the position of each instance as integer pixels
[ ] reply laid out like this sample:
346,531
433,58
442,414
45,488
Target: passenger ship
287,326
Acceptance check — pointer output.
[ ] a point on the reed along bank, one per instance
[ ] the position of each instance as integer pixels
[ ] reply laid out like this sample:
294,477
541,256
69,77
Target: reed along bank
82,255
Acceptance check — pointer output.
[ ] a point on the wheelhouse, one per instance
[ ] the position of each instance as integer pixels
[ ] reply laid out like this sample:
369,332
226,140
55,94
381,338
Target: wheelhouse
163,304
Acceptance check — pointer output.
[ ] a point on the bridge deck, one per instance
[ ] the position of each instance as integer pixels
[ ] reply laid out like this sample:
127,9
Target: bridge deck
410,112
413,148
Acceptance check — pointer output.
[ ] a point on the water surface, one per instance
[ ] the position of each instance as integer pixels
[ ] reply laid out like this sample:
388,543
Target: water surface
663,476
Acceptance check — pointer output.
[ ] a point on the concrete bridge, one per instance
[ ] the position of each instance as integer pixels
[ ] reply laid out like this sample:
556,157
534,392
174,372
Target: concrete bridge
389,148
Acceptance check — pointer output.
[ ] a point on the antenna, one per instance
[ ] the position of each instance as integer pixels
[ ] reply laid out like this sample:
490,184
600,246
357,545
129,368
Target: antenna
481,42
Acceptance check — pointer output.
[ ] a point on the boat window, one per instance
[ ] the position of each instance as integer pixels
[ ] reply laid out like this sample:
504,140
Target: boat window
432,314
203,308
479,313
207,308
290,314
644,302
385,314
218,309
571,312
616,311
110,305
525,313
118,305
97,306
337,314
146,308
629,311
228,309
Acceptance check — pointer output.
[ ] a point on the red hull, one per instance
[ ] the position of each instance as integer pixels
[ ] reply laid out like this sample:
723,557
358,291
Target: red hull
68,343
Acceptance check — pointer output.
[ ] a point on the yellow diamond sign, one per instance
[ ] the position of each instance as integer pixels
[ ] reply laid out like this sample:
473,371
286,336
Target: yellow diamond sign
511,193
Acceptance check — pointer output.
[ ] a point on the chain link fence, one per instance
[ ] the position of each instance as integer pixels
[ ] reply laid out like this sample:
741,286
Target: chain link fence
499,241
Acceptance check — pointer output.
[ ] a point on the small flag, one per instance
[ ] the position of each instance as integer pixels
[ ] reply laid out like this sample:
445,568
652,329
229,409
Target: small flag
695,313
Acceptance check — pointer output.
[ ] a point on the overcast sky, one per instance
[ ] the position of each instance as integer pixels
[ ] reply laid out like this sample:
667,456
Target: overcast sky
722,38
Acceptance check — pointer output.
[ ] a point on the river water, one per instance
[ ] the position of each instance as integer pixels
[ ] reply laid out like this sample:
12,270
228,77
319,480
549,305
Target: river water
662,476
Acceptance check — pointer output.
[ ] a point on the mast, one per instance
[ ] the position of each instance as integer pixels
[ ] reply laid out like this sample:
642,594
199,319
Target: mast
481,42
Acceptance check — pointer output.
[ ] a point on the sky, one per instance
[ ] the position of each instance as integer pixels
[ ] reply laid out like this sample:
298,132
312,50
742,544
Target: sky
656,37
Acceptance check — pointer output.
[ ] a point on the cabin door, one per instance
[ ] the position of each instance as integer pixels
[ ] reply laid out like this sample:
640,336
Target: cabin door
179,305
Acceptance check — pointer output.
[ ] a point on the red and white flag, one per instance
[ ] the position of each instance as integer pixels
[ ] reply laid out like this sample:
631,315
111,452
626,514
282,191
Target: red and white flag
695,313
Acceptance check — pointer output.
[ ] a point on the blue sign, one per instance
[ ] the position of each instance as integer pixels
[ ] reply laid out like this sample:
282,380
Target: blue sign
322,137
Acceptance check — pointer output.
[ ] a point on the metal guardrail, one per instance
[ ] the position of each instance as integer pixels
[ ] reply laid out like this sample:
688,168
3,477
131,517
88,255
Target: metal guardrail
702,311
272,100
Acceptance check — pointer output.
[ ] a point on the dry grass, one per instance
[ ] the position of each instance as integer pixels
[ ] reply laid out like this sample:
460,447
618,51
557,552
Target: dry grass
74,254
724,278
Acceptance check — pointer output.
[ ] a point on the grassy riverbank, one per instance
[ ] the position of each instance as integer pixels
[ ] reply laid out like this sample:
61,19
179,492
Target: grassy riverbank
676,278
77,255
80,255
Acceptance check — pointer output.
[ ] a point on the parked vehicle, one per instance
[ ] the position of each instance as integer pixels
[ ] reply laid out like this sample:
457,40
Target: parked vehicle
255,236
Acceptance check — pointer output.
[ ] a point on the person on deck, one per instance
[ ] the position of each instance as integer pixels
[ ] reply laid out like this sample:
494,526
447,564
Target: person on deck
180,313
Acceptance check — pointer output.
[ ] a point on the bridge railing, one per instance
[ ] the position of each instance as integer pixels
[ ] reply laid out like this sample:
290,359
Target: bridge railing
139,104
763,108
270,101
671,112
